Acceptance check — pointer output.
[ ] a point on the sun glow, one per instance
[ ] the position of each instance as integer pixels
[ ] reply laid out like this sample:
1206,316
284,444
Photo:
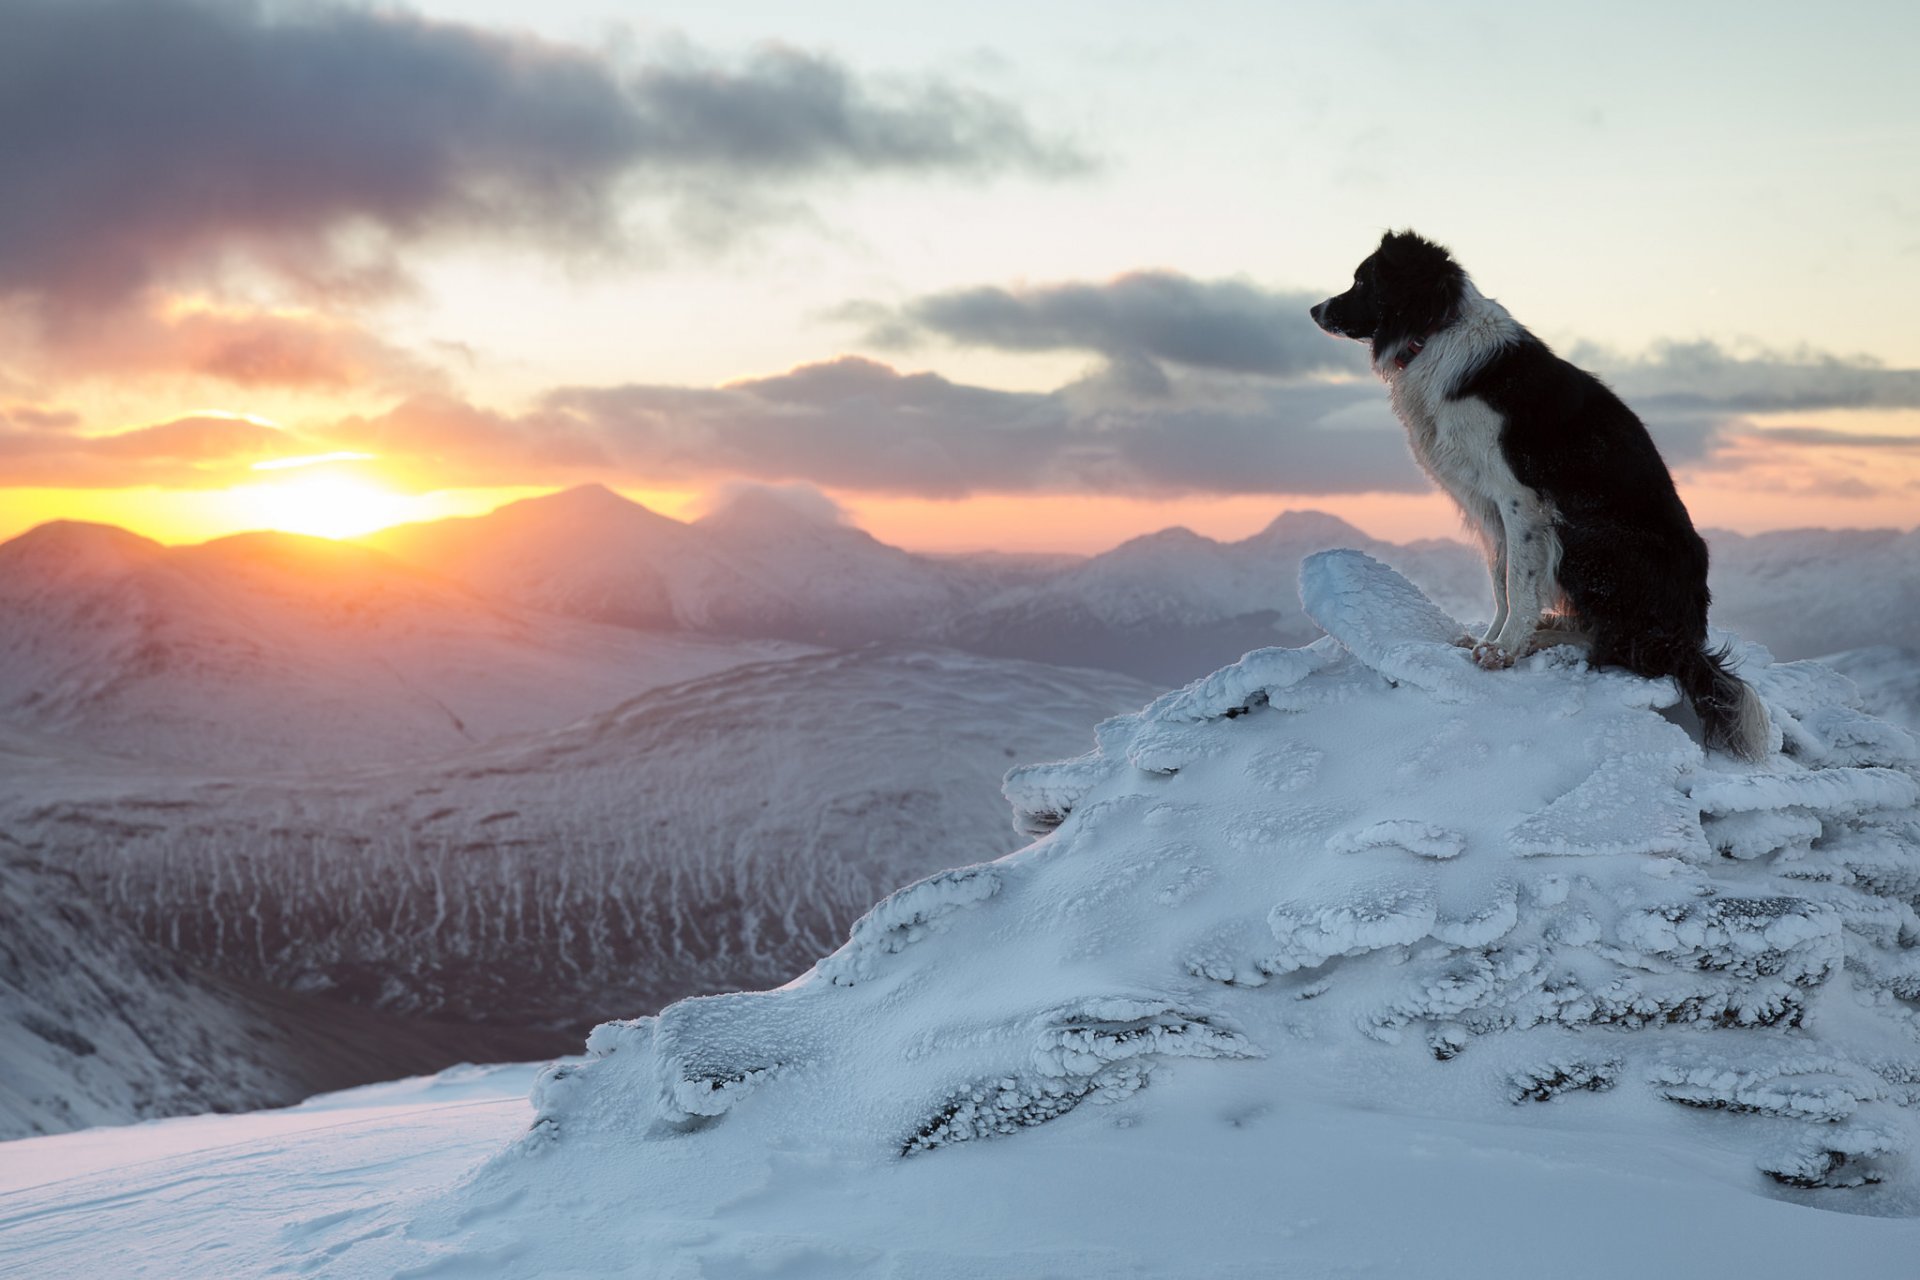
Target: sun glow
326,505
286,464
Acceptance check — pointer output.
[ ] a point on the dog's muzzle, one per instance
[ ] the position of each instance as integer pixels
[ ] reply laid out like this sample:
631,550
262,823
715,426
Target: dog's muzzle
1319,313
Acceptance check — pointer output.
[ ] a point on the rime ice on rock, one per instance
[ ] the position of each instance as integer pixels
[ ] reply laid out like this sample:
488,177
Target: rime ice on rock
1370,867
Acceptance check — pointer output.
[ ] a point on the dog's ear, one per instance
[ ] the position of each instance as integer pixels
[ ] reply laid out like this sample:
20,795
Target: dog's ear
1419,282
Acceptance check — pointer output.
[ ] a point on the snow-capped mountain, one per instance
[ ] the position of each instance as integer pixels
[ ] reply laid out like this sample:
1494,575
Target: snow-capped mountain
271,651
586,552
1166,606
718,833
757,566
1338,931
1174,604
1163,607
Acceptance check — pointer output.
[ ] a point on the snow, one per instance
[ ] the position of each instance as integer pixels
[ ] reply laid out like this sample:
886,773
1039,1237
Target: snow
1887,678
714,834
1355,960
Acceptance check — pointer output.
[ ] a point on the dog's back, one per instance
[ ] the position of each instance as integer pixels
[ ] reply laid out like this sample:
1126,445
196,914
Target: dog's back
1630,560
1632,567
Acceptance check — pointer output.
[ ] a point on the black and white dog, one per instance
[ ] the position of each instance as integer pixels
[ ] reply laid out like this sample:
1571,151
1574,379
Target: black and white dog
1571,500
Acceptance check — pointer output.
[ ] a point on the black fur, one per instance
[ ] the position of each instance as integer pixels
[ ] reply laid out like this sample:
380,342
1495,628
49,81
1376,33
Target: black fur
1406,288
1633,571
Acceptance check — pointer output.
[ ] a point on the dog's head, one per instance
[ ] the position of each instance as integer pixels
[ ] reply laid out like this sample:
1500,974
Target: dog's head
1406,289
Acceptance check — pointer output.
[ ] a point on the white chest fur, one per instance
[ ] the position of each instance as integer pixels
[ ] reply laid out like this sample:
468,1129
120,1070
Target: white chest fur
1457,441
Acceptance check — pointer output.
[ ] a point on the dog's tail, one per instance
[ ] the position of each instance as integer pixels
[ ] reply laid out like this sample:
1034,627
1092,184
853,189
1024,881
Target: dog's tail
1732,714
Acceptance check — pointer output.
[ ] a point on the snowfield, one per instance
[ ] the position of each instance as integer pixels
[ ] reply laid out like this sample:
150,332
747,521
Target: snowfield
1346,960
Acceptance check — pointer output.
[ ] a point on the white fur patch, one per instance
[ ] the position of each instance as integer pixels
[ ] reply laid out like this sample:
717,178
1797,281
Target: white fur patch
1457,442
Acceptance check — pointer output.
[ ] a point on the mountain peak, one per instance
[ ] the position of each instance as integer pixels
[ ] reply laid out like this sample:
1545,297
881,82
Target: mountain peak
67,549
589,500
1310,526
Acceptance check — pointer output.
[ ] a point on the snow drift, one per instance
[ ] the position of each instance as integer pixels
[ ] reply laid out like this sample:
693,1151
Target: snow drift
1365,870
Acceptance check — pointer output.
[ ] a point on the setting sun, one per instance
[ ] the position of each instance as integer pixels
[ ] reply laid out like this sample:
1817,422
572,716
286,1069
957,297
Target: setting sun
326,505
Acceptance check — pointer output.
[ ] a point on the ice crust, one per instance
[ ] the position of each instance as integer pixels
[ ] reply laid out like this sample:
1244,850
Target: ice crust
1370,869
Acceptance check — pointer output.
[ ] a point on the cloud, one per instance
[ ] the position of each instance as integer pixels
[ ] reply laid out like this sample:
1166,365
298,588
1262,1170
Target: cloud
798,497
442,441
1706,376
36,418
1144,319
1830,438
236,345
187,453
855,424
143,141
1226,326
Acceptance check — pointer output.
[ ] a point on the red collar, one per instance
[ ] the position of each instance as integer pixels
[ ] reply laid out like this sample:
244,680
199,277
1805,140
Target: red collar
1412,349
1405,355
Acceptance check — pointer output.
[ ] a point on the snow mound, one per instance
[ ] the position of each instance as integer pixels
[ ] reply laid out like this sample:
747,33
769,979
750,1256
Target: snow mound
1365,870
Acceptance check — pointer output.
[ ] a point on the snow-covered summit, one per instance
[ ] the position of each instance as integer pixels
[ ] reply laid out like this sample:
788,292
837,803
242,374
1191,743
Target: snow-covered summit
1363,870
1347,959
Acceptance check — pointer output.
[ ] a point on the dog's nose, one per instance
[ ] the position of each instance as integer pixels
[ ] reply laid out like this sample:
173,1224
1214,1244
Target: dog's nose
1315,311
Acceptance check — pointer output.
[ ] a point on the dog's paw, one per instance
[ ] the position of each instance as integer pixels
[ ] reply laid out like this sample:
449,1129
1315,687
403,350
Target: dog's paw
1492,657
1465,640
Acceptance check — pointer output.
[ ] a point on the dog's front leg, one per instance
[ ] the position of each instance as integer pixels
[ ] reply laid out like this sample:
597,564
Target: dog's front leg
1497,569
1529,562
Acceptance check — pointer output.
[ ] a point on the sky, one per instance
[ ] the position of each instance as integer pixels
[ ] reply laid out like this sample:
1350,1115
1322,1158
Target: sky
988,276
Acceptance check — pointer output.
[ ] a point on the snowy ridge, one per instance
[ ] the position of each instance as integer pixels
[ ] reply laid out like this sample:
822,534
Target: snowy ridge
1371,866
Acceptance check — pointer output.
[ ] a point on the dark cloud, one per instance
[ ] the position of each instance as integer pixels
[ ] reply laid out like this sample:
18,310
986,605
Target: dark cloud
1705,376
1145,319
786,111
145,139
855,424
1226,326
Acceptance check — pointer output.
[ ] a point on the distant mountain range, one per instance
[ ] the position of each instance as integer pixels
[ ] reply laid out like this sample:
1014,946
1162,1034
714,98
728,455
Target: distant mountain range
1166,606
447,634
275,651
756,567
